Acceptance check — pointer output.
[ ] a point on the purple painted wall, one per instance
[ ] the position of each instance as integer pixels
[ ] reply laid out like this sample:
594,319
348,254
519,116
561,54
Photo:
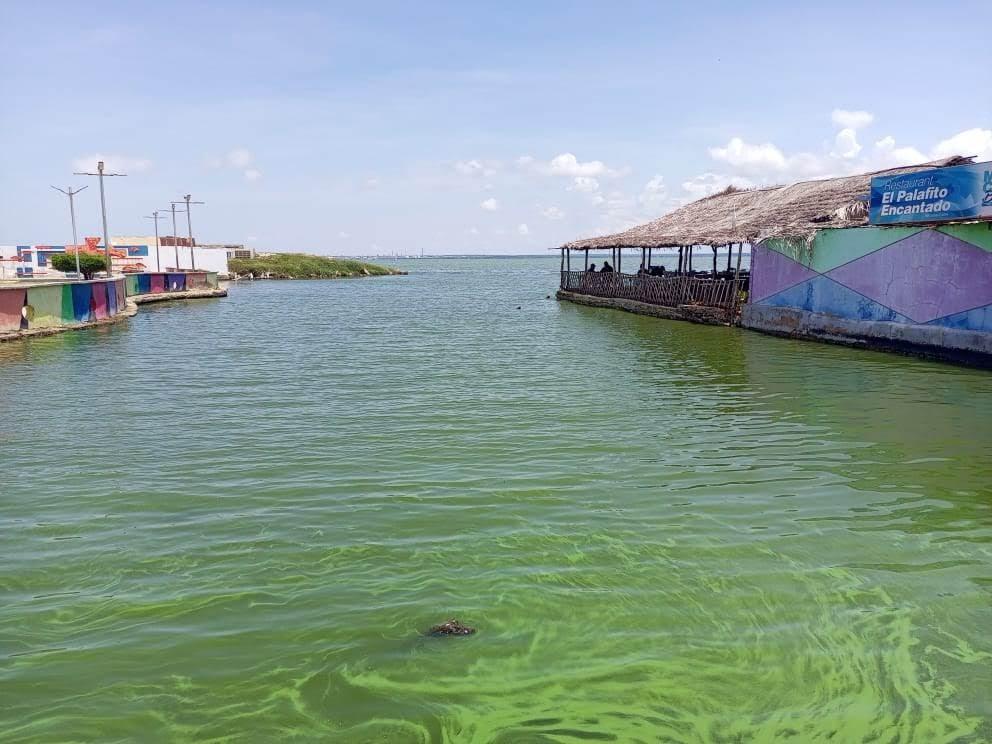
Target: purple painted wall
912,276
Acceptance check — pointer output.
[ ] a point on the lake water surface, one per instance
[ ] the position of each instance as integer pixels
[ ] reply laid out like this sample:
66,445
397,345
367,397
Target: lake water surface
231,520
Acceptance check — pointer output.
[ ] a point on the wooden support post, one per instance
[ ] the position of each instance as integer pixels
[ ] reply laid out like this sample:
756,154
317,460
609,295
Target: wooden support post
690,259
737,285
714,259
680,259
649,257
730,254
644,257
619,259
568,260
587,259
562,260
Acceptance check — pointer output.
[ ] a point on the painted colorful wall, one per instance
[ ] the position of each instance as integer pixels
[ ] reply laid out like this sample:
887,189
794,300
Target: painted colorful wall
59,305
937,277
159,282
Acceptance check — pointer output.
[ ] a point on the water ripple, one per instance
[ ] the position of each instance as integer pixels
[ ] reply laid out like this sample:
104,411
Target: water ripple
232,519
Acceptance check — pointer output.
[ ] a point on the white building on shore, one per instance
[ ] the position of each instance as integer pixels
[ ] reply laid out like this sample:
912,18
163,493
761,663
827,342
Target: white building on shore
170,256
135,252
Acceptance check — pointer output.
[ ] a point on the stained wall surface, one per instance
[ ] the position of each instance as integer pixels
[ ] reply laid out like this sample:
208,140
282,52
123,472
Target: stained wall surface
923,276
57,305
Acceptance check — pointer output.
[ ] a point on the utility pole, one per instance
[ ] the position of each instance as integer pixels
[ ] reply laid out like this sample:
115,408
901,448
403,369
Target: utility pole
103,210
154,216
175,238
189,225
72,214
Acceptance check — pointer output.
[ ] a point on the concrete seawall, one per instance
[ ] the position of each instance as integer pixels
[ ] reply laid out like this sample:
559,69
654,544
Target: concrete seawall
973,348
130,310
42,308
691,313
29,310
192,294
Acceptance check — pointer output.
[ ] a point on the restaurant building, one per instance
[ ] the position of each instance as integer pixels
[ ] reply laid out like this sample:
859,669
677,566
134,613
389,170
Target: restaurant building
895,260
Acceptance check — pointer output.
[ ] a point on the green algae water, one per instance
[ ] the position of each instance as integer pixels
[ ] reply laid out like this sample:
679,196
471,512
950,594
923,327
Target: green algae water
231,520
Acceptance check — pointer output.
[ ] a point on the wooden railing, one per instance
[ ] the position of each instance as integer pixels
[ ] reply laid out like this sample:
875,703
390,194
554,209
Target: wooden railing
671,291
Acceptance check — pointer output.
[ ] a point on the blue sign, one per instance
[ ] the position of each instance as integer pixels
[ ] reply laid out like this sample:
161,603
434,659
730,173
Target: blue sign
962,192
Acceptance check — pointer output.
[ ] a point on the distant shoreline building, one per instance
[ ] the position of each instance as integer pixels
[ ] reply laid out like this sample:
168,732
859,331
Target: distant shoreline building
234,250
128,253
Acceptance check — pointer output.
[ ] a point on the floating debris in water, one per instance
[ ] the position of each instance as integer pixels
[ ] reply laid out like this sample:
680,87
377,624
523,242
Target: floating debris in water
451,627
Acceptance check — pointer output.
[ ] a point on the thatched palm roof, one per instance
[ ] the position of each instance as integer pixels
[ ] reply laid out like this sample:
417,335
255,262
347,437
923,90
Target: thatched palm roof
735,216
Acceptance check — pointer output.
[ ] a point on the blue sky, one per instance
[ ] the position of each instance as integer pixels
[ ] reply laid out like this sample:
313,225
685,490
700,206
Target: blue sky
460,128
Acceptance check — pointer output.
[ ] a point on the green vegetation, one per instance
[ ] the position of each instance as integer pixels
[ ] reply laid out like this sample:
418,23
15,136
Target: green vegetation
302,266
89,263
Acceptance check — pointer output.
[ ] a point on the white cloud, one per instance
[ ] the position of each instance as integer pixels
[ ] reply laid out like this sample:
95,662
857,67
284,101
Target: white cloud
655,193
372,182
490,204
846,144
473,231
477,167
710,183
766,163
240,158
586,184
237,159
468,167
975,141
343,235
750,165
251,238
567,164
754,159
553,213
522,229
887,155
111,164
851,119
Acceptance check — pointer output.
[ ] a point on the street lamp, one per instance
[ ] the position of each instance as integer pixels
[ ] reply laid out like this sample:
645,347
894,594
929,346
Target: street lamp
189,226
103,209
154,216
72,214
175,238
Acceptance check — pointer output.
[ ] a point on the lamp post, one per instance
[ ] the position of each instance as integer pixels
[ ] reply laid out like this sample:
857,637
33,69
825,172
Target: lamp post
72,214
103,210
175,238
189,226
154,216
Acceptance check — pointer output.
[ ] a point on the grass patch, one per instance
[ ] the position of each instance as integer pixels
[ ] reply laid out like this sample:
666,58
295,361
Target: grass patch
303,266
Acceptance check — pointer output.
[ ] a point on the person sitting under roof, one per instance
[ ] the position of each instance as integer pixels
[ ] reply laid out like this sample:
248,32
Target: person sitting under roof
607,269
657,271
592,267
643,271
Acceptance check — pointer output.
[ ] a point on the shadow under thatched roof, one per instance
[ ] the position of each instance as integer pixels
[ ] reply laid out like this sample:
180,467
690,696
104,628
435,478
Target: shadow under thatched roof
748,216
